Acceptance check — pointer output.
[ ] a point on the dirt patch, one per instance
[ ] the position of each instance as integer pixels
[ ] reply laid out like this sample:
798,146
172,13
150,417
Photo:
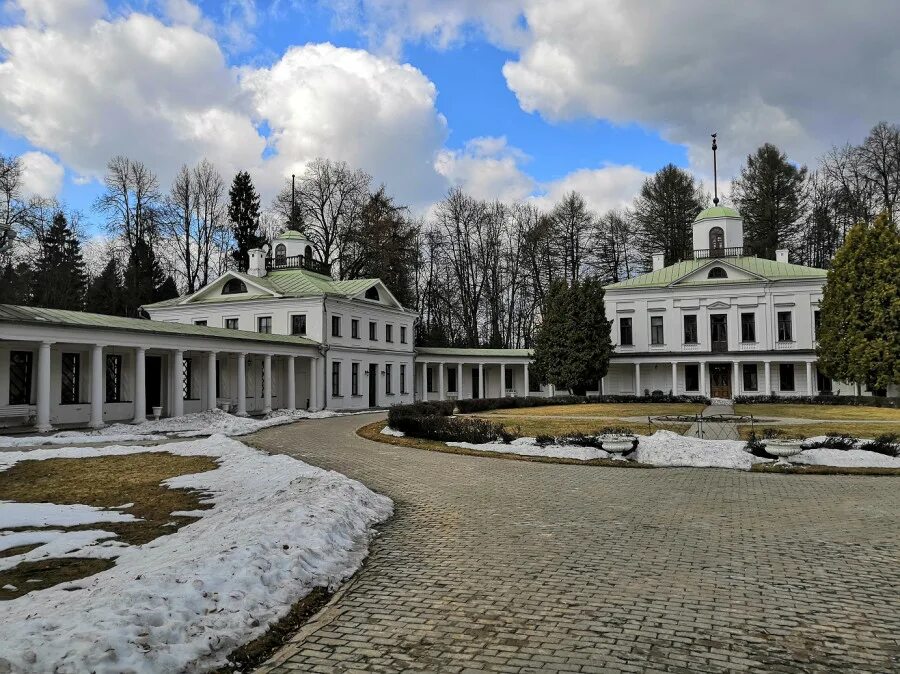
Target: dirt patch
105,482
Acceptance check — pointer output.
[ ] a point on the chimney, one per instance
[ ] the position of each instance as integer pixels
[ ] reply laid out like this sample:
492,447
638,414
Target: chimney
781,255
659,261
257,265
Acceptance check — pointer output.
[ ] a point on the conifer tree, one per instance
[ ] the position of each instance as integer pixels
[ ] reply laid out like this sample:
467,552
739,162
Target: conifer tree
859,333
664,214
15,284
104,295
243,213
573,345
143,279
59,279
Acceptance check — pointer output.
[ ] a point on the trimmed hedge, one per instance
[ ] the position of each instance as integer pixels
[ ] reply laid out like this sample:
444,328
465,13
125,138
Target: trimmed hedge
471,405
860,401
433,421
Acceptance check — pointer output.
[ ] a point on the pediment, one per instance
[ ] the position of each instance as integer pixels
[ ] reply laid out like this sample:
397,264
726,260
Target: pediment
724,273
718,305
214,289
385,296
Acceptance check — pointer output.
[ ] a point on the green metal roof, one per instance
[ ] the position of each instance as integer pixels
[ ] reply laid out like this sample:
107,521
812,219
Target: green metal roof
284,282
10,313
717,212
770,270
291,235
443,351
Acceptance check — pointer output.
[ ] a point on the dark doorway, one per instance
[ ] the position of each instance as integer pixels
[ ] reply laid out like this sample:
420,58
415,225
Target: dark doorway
720,381
718,327
373,384
153,385
475,391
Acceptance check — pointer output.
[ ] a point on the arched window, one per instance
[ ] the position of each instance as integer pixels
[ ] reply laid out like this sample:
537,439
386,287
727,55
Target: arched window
372,294
307,253
716,239
280,254
717,272
233,287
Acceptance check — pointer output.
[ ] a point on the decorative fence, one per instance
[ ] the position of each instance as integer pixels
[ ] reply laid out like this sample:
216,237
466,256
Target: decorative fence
706,426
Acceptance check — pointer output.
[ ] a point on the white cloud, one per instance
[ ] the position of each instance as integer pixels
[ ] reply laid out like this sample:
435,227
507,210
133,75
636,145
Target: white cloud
71,13
604,188
42,176
487,168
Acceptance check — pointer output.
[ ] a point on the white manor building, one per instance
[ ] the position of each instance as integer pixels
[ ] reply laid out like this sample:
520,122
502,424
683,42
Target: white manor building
289,336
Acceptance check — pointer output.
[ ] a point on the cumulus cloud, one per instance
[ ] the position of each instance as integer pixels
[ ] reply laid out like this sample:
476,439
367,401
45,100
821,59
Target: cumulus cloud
604,188
71,13
42,176
487,168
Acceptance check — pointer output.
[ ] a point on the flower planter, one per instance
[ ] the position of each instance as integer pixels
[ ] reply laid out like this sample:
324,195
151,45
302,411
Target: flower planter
226,407
617,445
157,412
783,449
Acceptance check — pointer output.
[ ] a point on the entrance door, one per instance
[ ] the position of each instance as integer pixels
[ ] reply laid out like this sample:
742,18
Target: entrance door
373,384
153,382
720,381
718,326
475,391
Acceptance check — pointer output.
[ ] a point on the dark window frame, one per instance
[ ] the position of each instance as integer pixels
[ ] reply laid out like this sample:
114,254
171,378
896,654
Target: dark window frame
389,332
301,328
373,331
403,390
335,379
750,377
748,327
657,330
403,334
691,377
70,364
354,328
717,272
336,323
785,326
451,380
234,286
187,378
113,376
24,361
232,323
388,379
264,321
626,328
354,379
691,333
786,373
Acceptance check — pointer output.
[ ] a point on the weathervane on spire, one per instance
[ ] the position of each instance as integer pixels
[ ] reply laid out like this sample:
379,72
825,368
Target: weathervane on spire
715,177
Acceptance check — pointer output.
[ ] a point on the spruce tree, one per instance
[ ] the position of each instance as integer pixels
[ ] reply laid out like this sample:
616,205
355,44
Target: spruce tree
142,279
664,214
15,284
243,213
573,345
859,333
771,196
59,279
104,295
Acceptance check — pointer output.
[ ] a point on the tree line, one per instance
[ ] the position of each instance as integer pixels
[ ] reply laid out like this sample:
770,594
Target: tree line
479,273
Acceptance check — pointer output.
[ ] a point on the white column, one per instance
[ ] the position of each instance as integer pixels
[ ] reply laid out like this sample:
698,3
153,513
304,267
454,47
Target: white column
43,388
809,379
211,380
140,385
768,369
702,370
291,384
600,386
267,383
674,378
97,387
502,380
313,385
637,380
441,392
527,383
177,383
424,382
241,384
481,380
735,385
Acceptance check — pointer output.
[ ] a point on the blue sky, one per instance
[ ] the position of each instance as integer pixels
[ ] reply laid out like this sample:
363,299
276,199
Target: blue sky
509,99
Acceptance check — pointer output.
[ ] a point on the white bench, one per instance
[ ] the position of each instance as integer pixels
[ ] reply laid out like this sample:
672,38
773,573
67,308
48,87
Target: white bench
25,411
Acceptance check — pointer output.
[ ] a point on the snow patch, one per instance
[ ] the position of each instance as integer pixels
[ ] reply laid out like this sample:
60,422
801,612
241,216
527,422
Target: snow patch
13,514
530,447
387,430
849,458
665,448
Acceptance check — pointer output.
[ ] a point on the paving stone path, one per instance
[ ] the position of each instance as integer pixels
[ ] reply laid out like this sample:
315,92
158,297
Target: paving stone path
512,566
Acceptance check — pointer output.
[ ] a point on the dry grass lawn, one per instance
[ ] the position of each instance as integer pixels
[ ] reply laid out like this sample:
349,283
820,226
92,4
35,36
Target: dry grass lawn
832,428
604,410
105,482
851,412
522,426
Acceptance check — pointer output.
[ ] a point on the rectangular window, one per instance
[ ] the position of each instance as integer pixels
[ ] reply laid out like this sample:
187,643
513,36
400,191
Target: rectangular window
534,385
335,326
690,329
70,377
656,330
785,332
201,322
751,383
451,380
748,328
354,379
402,379
113,378
20,374
388,332
403,334
187,378
625,332
388,378
264,324
354,328
691,377
373,331
823,382
786,376
508,379
429,379
817,322
298,324
231,323
335,379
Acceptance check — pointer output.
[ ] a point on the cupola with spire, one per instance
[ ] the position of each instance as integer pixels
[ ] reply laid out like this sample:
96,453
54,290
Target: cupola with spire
718,230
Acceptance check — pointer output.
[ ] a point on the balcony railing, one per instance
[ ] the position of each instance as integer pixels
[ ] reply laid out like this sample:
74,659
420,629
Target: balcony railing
734,251
298,262
719,346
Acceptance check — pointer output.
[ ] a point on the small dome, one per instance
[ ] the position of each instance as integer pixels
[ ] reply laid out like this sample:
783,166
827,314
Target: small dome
290,235
717,212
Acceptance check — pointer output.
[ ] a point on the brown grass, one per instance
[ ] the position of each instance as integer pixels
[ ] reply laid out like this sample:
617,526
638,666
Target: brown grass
606,410
530,427
829,428
373,432
105,482
846,412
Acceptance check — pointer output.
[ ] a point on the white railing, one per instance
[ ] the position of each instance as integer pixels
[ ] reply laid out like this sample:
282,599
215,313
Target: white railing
749,346
785,346
693,346
658,347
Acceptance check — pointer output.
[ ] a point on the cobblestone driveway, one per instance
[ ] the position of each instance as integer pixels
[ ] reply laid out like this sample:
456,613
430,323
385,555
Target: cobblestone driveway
510,566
